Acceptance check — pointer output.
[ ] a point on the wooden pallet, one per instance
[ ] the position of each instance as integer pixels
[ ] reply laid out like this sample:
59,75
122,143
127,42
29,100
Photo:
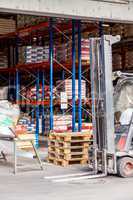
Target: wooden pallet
69,148
70,136
72,149
67,156
68,144
65,163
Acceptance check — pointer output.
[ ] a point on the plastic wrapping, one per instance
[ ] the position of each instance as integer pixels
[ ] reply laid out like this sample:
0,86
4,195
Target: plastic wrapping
123,95
9,115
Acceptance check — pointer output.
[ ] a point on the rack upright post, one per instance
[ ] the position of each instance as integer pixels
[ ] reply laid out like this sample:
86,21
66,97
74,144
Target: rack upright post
73,77
43,96
51,71
79,79
37,110
17,86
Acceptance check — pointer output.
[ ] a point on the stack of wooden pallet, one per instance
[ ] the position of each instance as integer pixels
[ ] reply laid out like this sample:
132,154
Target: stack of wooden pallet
68,148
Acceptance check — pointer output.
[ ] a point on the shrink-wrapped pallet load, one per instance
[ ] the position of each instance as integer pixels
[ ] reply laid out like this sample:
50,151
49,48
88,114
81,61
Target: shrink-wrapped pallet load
64,51
3,58
61,123
66,86
9,115
34,54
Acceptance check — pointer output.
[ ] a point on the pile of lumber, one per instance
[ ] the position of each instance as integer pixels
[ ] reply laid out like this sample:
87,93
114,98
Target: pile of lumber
68,148
24,141
7,26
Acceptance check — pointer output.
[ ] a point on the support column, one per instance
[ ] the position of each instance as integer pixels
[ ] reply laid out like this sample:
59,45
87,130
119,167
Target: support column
63,75
73,77
17,51
43,96
32,115
51,72
37,109
17,72
17,87
9,85
79,79
101,31
63,78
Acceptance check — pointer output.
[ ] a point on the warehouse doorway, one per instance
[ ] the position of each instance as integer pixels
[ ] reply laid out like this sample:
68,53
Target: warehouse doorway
45,71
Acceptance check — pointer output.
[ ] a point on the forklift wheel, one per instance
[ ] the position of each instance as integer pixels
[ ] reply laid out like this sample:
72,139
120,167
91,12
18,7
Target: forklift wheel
125,167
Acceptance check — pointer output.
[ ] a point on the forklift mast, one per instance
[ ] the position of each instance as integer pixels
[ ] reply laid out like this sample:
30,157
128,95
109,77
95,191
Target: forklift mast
102,103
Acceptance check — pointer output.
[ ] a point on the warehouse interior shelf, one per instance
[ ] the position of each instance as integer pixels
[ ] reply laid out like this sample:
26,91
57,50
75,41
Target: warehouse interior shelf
48,71
42,66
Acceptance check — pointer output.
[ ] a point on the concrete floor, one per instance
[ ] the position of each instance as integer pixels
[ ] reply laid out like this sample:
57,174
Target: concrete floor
30,184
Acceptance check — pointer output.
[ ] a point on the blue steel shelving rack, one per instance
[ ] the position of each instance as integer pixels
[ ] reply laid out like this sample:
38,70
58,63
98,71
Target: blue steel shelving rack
40,77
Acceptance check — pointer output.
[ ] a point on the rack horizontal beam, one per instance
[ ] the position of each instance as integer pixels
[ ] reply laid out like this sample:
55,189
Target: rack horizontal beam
87,102
23,32
41,66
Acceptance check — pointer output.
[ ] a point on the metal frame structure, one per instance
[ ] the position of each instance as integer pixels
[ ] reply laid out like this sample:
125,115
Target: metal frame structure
41,68
73,77
51,72
102,102
79,79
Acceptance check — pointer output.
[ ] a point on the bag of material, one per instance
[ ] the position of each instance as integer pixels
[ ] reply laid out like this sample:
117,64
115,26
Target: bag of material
9,115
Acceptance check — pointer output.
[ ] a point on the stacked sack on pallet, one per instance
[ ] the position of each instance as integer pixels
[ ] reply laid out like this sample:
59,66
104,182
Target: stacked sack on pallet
126,32
30,93
63,123
26,123
64,52
66,86
9,115
29,124
3,58
85,127
60,124
3,93
25,129
7,26
34,54
85,50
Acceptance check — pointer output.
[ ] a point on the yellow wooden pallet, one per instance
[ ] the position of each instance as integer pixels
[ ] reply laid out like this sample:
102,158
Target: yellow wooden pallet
68,156
66,163
70,136
68,144
72,149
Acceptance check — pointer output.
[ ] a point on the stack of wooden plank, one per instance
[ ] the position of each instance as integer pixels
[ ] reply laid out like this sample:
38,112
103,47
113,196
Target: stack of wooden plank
24,141
7,26
60,123
68,148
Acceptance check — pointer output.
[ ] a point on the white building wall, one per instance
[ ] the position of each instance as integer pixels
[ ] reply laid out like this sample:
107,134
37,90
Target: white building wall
90,9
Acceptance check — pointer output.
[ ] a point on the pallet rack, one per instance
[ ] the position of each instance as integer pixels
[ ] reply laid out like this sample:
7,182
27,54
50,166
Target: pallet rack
40,69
